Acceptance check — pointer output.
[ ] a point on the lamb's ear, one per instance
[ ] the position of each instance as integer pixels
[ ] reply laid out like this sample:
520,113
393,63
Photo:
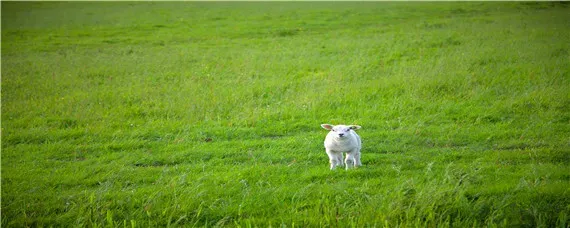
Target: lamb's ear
354,127
327,126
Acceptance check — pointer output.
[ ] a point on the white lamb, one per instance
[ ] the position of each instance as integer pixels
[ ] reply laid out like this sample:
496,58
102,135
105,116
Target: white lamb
342,138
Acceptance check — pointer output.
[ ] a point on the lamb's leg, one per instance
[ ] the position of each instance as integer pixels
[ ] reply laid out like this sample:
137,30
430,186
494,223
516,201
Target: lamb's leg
357,158
334,158
339,159
350,162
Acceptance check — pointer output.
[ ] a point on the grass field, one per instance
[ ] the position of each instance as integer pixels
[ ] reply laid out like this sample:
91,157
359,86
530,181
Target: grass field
152,114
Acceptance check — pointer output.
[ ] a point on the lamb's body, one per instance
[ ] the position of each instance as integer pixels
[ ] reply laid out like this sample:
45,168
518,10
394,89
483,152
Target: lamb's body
343,139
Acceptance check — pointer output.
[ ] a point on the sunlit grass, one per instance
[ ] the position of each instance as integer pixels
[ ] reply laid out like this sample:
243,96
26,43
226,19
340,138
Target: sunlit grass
207,114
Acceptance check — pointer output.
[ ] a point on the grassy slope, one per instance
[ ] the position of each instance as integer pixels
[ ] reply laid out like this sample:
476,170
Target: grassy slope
209,113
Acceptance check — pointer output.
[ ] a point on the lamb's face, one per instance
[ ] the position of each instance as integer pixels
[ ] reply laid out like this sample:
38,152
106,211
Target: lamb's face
341,131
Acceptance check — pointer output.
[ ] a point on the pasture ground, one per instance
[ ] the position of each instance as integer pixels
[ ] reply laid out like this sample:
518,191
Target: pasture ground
146,114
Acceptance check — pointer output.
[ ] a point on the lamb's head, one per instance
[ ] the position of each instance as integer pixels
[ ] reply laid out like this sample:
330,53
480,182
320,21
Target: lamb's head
340,131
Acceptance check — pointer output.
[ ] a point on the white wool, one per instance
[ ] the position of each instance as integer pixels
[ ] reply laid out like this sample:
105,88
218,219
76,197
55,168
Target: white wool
343,139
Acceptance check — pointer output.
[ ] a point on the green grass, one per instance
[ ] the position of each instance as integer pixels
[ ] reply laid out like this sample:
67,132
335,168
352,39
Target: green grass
146,114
